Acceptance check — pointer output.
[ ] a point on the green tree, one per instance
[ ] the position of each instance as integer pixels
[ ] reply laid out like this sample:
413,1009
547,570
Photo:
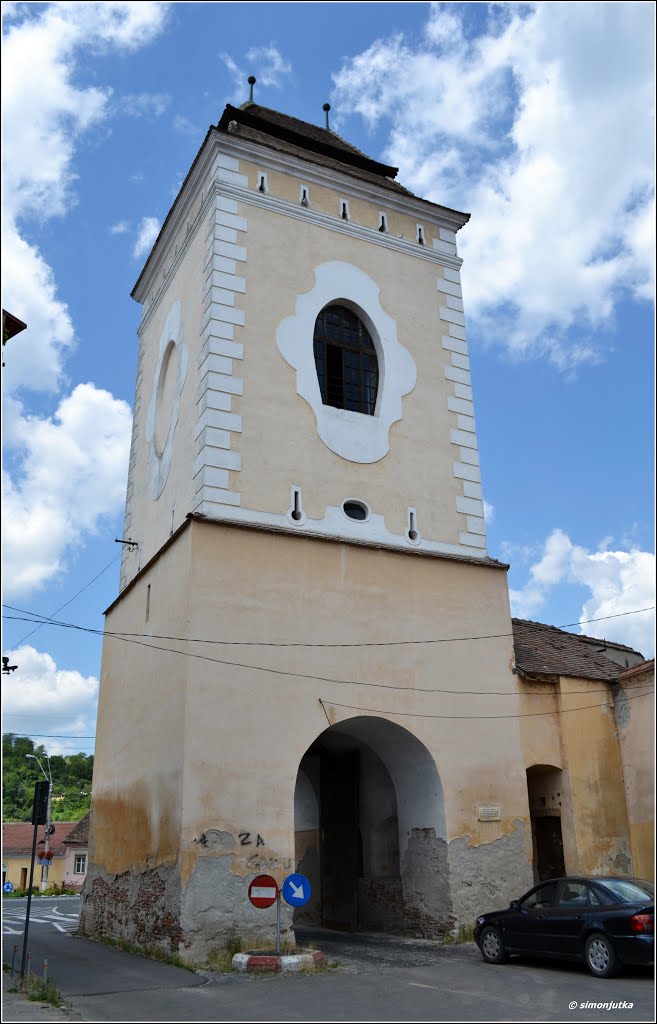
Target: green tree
71,779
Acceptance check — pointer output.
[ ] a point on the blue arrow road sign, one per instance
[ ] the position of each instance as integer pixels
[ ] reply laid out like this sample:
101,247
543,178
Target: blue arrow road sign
8,887
296,890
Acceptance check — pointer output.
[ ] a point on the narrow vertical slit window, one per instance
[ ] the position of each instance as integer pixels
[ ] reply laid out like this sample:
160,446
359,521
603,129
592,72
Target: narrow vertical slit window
148,602
344,209
383,222
346,361
420,234
262,183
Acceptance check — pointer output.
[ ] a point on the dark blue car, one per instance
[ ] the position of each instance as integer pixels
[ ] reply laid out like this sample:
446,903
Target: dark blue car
605,921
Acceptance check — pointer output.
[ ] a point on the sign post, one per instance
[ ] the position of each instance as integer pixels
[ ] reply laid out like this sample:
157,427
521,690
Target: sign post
263,892
39,817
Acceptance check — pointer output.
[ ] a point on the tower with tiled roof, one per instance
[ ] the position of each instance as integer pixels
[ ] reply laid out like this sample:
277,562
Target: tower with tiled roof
305,507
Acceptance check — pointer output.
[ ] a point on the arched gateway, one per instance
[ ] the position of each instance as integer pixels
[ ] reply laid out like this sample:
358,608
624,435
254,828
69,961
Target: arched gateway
369,823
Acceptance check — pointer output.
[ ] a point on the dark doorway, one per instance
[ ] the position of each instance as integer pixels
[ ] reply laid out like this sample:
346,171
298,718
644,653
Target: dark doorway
341,857
545,791
549,848
369,831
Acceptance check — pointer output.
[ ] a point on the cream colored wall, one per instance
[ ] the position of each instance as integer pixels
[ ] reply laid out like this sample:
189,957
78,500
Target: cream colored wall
152,522
137,785
592,755
15,865
328,200
636,731
248,730
280,445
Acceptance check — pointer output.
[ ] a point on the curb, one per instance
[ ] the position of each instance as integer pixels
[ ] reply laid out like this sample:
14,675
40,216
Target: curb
271,963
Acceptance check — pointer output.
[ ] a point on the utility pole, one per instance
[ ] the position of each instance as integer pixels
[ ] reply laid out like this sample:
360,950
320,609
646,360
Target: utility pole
48,829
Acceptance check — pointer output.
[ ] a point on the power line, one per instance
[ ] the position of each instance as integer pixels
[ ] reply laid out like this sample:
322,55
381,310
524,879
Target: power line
126,638
70,601
299,675
403,714
275,643
528,714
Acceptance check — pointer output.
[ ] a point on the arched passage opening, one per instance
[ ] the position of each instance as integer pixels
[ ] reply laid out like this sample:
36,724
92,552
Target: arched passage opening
545,789
370,831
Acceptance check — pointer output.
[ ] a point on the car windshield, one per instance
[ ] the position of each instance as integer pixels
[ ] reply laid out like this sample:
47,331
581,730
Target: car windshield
633,890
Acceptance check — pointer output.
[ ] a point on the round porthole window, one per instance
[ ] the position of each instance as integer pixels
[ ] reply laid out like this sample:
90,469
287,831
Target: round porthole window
356,510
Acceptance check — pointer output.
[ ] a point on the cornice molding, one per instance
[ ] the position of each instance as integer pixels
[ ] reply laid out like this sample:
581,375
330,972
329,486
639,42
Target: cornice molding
217,142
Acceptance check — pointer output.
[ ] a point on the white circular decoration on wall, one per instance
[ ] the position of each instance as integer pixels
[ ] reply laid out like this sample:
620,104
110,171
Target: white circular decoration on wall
163,408
352,435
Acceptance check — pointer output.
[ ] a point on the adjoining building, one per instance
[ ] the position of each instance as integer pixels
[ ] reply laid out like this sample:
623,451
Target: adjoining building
311,662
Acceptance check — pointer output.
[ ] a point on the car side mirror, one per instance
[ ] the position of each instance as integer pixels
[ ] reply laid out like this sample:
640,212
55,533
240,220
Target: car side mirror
514,904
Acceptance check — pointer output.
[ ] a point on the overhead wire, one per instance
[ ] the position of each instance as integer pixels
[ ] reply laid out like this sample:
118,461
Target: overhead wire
289,672
48,618
313,644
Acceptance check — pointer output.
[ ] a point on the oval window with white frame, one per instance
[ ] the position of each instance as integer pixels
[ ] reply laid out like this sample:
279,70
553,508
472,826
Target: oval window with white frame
163,408
356,389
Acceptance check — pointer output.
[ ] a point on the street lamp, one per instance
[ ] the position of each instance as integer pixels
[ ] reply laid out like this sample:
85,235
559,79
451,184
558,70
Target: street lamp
48,778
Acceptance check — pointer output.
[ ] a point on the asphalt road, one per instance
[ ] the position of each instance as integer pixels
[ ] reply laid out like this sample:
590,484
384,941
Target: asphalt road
380,979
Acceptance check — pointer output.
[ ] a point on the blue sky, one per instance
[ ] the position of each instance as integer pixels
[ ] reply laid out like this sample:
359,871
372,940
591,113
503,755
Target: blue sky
535,118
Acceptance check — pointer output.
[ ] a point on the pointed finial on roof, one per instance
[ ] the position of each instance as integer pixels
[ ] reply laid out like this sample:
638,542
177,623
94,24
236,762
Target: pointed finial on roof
252,81
326,108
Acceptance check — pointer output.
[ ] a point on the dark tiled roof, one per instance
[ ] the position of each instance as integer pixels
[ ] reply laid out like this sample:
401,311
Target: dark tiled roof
80,834
546,650
284,146
638,670
301,133
17,838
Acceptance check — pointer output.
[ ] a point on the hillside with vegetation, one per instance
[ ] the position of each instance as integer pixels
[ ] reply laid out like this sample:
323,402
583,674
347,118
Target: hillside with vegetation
71,780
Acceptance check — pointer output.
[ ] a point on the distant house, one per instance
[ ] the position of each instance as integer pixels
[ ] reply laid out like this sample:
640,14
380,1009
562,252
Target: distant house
17,841
76,856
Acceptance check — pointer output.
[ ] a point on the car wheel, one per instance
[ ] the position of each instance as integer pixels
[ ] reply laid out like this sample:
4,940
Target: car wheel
491,946
600,957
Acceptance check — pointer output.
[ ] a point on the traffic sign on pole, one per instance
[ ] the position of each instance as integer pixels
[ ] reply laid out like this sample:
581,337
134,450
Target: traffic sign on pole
296,890
263,891
7,887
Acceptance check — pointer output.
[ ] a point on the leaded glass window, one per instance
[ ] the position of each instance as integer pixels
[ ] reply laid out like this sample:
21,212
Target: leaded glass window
345,357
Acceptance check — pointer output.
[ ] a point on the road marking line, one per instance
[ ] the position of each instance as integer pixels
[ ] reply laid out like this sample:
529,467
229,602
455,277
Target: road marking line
417,984
58,927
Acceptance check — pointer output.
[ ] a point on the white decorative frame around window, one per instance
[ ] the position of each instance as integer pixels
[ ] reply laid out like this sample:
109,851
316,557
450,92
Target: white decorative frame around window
80,864
171,347
352,435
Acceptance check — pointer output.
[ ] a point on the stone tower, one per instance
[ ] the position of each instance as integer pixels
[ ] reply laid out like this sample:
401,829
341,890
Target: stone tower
304,483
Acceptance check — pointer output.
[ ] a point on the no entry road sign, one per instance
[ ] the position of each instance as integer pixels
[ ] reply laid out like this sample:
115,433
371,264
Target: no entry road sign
263,891
296,890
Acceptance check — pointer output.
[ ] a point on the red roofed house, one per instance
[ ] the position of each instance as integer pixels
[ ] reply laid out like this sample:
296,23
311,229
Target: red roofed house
17,851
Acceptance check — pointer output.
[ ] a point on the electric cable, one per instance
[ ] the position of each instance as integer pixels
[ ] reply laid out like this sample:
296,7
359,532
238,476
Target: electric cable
70,601
274,643
290,673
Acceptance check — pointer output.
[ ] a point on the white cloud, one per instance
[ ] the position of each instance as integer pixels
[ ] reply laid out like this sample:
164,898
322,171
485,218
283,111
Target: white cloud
489,512
44,115
618,581
121,228
73,475
144,104
542,128
268,65
149,229
44,700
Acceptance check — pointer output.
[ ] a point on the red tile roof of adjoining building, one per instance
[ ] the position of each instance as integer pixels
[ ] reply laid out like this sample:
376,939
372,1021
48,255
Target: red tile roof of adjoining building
17,838
545,650
80,834
637,670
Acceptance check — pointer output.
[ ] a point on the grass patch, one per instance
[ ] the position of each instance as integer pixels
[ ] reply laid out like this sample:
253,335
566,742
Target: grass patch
32,986
464,933
220,958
